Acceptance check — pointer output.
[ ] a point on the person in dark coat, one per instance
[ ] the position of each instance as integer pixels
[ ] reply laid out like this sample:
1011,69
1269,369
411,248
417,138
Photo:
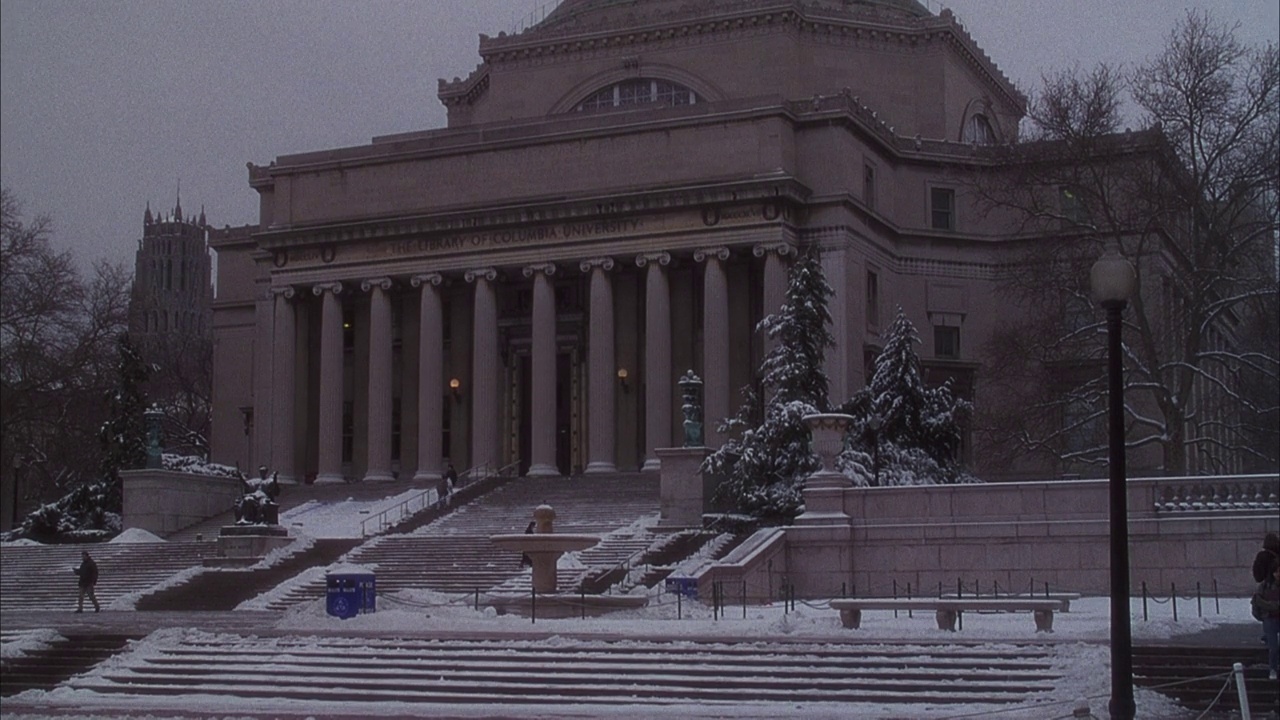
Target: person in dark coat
1269,553
88,572
447,483
1266,600
525,561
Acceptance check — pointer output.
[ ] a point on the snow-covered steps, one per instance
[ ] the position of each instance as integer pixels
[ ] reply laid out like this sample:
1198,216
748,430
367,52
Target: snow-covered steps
40,577
411,675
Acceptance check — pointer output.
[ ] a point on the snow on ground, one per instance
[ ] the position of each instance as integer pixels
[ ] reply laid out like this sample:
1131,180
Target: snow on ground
136,535
343,518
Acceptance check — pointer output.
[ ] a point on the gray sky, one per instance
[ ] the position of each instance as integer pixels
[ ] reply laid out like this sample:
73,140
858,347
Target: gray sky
108,104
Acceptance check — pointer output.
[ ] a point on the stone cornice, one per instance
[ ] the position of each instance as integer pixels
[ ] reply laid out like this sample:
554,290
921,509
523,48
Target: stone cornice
778,188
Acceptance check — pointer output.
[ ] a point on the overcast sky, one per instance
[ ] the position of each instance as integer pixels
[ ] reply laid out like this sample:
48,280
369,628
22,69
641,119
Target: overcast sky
106,105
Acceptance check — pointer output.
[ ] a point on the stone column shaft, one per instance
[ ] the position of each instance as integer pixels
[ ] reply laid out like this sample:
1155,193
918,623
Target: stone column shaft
543,430
282,385
380,401
430,378
715,344
330,442
485,383
601,387
657,357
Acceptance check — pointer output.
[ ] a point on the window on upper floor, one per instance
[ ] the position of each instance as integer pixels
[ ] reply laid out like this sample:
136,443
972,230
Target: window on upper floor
1071,204
629,93
942,208
978,130
873,299
946,342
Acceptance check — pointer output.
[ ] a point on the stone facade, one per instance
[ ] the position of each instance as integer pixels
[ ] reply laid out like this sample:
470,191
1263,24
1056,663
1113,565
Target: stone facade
615,200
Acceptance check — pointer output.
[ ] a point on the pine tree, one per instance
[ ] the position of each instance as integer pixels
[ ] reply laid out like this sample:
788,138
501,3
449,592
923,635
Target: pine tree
124,434
918,439
766,457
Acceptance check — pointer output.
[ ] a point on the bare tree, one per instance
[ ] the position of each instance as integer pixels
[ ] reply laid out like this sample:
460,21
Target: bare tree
1192,200
57,335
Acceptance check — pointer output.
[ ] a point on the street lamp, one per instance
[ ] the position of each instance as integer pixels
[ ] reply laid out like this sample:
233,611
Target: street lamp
1113,281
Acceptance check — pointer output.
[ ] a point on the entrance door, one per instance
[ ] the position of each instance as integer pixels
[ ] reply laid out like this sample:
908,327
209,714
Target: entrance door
561,416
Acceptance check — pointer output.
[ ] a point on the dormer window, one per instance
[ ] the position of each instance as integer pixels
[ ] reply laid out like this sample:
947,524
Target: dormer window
978,131
630,93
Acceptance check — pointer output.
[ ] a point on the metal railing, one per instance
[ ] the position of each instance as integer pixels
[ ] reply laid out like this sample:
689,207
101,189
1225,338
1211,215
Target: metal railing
430,498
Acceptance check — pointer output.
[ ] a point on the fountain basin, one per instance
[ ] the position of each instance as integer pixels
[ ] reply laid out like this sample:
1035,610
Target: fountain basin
539,542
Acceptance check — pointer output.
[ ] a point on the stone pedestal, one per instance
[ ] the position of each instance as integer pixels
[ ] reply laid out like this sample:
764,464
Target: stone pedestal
824,490
544,547
163,501
240,545
682,494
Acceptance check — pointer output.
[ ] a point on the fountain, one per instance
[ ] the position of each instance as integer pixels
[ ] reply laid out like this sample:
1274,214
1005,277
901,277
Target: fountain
544,547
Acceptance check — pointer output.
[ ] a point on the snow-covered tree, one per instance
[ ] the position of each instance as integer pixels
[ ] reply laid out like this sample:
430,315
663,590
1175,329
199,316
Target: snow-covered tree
767,453
904,433
124,434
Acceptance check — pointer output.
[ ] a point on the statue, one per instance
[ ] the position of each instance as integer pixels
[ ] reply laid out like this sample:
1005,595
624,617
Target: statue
690,387
257,504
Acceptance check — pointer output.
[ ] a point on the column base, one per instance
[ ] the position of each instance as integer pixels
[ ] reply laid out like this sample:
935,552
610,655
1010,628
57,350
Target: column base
543,470
600,468
427,476
324,479
651,465
379,476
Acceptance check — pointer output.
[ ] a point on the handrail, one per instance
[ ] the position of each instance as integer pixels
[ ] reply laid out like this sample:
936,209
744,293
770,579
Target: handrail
403,507
468,477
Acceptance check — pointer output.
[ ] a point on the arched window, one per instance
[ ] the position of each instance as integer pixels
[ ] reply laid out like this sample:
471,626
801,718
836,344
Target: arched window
638,92
978,131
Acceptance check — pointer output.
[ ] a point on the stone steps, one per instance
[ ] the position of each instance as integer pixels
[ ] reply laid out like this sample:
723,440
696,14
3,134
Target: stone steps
46,668
427,673
1194,676
41,577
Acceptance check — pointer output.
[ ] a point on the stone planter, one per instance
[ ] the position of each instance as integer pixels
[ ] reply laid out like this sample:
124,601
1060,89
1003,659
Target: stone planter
827,431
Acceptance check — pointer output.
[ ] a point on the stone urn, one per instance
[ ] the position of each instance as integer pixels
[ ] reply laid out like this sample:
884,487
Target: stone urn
827,431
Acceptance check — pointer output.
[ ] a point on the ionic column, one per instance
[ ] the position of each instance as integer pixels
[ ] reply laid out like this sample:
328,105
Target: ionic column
284,354
543,395
601,388
715,343
380,404
485,383
775,277
330,447
657,357
430,378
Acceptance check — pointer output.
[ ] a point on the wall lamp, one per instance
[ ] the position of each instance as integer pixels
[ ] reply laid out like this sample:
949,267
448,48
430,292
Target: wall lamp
455,386
622,379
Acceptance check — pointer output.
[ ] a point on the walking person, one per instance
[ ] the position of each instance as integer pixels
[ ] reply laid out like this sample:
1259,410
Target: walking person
1269,553
88,572
447,484
525,560
1266,607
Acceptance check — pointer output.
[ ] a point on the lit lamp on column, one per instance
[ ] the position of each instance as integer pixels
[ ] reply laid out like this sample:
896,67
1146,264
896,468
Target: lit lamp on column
1113,281
455,388
622,379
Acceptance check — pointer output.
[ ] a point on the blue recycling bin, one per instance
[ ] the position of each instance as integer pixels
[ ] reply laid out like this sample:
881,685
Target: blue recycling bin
350,594
686,586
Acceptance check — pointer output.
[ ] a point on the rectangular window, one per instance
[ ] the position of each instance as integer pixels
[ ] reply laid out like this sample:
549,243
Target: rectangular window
873,299
1072,206
348,431
395,429
942,206
946,342
869,186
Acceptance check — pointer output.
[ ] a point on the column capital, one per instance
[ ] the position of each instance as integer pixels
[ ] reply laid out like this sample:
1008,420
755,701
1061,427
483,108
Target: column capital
703,254
658,258
782,249
287,292
383,282
331,287
427,279
489,274
604,263
531,270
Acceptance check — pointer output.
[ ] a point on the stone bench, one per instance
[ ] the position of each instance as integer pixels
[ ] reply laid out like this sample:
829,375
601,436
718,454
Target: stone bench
948,609
1064,597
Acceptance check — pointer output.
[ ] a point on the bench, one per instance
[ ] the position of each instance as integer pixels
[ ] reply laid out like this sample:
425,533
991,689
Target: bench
948,609
1065,597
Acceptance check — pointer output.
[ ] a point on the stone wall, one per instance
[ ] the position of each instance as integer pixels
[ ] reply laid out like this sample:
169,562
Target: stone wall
1182,531
163,502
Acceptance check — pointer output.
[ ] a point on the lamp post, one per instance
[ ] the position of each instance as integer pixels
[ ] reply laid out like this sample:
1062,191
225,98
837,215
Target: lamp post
1113,281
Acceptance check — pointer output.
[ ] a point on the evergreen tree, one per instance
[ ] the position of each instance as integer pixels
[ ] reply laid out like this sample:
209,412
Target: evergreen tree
124,434
766,457
918,436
